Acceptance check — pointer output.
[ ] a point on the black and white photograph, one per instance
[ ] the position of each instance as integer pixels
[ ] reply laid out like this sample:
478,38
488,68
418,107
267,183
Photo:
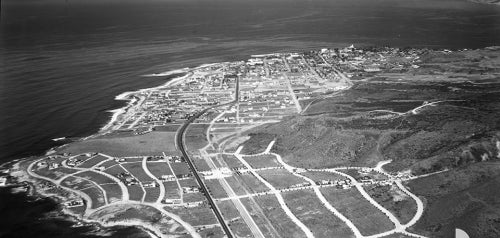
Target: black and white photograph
250,118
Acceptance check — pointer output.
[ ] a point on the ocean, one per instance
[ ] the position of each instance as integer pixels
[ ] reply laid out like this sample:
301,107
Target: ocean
63,62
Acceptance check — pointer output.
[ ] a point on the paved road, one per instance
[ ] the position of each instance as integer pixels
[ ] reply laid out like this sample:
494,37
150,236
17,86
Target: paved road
180,143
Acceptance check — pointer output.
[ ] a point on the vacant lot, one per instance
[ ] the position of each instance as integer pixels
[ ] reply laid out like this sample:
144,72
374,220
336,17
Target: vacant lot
113,192
232,161
152,194
137,171
76,183
55,173
278,218
195,137
148,144
262,161
215,189
92,161
251,183
228,210
394,200
159,168
356,208
96,195
318,176
180,168
314,215
196,216
280,178
171,190
135,192
260,218
95,177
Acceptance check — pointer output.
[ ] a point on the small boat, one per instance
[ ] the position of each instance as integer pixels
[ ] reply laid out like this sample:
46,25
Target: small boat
58,139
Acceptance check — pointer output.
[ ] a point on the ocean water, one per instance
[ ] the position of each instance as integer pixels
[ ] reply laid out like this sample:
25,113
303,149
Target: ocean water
63,62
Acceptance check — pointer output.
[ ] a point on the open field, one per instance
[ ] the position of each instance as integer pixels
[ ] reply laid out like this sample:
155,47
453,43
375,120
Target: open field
240,228
228,210
152,194
215,189
190,182
318,176
251,183
260,218
136,170
135,192
200,164
115,170
55,173
314,215
262,161
278,218
171,190
237,187
108,164
280,178
195,137
159,168
167,128
95,177
180,168
194,197
92,161
211,232
76,183
356,208
232,161
113,192
148,144
96,195
196,216
394,200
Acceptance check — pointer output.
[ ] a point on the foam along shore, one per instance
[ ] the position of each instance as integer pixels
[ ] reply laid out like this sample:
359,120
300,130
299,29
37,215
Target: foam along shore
126,96
167,73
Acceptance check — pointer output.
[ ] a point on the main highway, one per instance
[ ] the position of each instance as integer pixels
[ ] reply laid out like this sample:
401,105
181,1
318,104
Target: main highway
180,143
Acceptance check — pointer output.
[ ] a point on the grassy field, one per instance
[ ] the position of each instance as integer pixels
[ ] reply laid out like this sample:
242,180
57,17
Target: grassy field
262,161
76,183
113,192
171,190
196,216
180,168
167,128
135,192
232,161
96,195
159,168
95,177
394,200
55,173
200,164
108,164
317,176
356,208
278,218
152,194
190,182
195,137
280,178
211,232
148,144
228,210
115,170
215,189
194,197
251,183
260,218
237,187
136,170
92,161
314,215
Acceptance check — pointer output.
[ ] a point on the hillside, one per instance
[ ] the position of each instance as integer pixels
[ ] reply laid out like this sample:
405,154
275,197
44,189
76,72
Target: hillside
442,115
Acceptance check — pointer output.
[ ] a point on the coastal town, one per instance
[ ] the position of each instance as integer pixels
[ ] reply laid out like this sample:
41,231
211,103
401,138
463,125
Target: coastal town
176,153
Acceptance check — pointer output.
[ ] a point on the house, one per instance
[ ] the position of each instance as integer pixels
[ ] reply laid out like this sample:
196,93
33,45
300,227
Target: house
3,181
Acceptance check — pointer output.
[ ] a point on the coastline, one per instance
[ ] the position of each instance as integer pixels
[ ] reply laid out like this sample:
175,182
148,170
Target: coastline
22,178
